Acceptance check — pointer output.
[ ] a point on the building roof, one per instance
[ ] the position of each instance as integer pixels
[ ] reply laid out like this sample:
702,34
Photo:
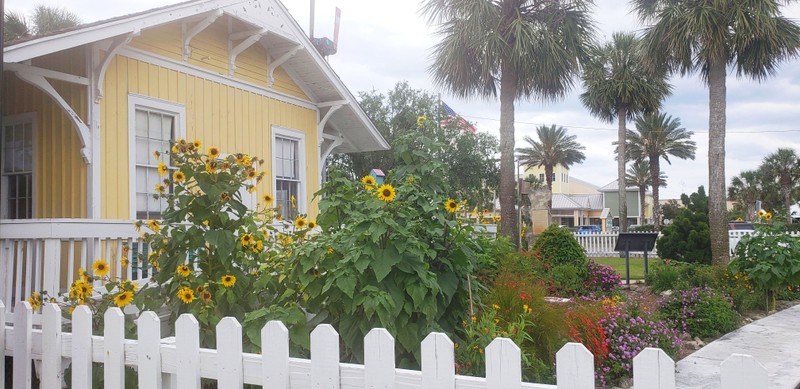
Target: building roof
613,186
562,201
306,67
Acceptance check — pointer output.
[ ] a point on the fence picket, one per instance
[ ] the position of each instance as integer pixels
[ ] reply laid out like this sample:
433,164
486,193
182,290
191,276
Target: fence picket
187,344
2,342
438,362
229,354
275,355
653,369
114,355
379,363
51,372
81,347
503,364
574,367
742,372
325,357
148,328
23,326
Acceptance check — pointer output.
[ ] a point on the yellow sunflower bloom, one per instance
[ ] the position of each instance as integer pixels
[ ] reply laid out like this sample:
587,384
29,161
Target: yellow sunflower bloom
183,270
421,120
35,300
206,296
100,268
300,223
768,216
157,154
153,225
267,199
368,181
228,280
247,240
312,224
386,193
197,144
186,295
212,166
160,188
124,261
179,176
294,202
251,173
213,152
123,299
258,246
162,169
451,205
762,213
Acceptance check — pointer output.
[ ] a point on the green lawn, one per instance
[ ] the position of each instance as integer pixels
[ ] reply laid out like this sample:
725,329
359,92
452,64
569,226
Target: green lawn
637,265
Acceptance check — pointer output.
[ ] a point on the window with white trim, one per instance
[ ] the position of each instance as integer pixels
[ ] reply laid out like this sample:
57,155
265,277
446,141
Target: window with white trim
16,167
154,125
289,168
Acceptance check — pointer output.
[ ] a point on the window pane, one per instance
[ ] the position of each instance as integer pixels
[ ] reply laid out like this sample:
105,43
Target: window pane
141,179
142,156
154,125
167,125
141,201
141,123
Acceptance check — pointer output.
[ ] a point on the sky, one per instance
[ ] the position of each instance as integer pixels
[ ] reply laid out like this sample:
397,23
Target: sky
384,42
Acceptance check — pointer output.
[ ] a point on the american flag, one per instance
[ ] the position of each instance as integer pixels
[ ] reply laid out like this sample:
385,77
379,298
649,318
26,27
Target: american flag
465,125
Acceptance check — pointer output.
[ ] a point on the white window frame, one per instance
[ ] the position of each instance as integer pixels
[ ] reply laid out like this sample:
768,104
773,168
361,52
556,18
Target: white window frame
150,104
29,117
300,137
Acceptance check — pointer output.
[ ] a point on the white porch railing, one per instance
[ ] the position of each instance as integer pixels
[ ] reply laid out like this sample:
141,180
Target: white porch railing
45,254
183,363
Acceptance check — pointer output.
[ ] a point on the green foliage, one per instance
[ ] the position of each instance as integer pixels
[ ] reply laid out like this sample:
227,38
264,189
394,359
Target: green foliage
701,312
770,258
568,278
401,264
675,275
557,245
687,238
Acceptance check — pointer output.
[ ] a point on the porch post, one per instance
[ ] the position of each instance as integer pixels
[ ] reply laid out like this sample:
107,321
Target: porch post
93,169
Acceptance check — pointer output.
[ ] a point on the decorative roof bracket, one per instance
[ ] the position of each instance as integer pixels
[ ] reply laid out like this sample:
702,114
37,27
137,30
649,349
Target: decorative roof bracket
280,61
100,71
196,29
252,37
324,120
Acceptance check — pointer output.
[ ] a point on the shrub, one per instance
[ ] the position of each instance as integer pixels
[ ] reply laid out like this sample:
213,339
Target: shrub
643,228
687,238
569,279
674,275
557,245
701,312
601,279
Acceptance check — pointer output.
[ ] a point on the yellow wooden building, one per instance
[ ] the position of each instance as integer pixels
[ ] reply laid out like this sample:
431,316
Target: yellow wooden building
84,108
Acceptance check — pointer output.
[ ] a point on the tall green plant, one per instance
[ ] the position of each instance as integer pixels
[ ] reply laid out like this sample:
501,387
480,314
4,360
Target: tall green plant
687,237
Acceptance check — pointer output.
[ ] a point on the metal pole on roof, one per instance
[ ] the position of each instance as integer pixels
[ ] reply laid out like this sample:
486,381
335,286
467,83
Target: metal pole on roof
311,21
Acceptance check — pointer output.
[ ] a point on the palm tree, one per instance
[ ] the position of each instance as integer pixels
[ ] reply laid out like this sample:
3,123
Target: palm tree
553,148
524,48
707,36
638,175
745,190
619,87
783,167
45,20
659,136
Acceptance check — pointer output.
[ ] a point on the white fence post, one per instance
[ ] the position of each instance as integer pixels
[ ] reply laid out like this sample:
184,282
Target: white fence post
742,372
275,355
503,364
574,367
438,362
81,347
114,345
51,346
325,358
23,325
379,360
2,341
148,329
229,354
653,369
187,351
51,266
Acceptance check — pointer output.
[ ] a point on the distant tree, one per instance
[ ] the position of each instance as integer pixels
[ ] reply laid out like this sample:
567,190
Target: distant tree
619,87
471,167
638,175
43,21
687,238
659,136
517,49
783,168
670,210
744,191
752,37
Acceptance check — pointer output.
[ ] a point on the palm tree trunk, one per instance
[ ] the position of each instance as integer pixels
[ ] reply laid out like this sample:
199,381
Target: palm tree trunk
508,92
621,157
717,210
642,190
655,180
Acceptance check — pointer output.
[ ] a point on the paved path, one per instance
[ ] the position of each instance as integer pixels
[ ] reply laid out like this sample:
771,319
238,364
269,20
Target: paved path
774,341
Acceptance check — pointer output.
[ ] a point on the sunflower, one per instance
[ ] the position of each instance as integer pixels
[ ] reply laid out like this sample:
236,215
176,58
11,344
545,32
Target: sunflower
768,216
153,225
386,193
312,224
240,158
251,173
206,296
100,267
178,176
186,295
123,299
421,120
368,181
124,261
83,288
160,188
258,246
213,152
228,280
294,202
212,166
300,222
35,300
183,270
267,199
451,205
247,240
224,197
762,213
157,154
197,144
162,169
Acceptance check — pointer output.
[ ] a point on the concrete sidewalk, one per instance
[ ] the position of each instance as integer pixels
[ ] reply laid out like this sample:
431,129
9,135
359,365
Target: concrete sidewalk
774,341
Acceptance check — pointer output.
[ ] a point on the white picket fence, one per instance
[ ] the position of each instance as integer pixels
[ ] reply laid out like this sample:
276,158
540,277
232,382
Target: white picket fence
182,363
